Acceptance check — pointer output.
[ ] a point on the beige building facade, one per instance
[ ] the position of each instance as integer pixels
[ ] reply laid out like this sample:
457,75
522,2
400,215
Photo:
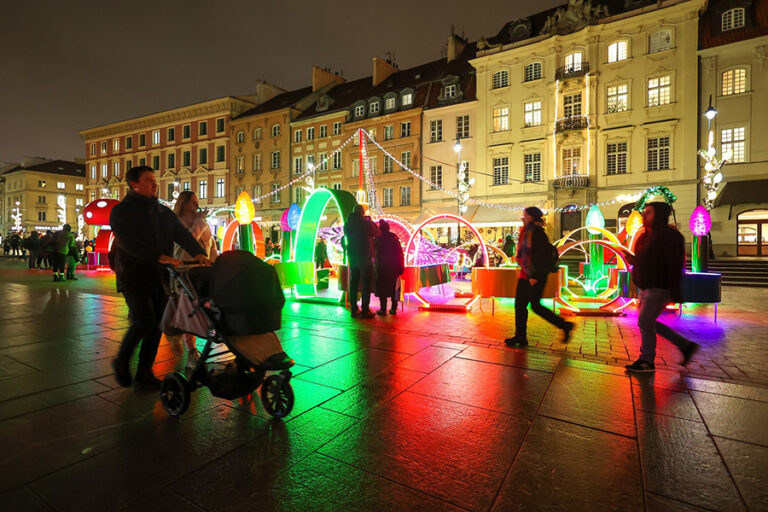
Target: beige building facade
588,106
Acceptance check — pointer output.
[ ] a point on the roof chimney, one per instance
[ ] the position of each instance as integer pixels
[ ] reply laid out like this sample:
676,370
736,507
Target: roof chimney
382,70
322,77
454,46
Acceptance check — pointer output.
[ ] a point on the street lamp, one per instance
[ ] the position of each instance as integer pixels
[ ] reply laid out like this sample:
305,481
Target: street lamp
457,149
710,113
712,165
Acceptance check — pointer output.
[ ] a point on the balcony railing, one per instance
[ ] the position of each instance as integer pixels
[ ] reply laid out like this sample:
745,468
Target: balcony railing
572,123
572,71
571,181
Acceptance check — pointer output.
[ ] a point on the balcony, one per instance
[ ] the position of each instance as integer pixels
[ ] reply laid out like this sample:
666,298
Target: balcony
566,72
571,181
572,123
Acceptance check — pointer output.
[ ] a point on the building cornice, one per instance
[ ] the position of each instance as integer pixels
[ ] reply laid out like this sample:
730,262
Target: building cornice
226,105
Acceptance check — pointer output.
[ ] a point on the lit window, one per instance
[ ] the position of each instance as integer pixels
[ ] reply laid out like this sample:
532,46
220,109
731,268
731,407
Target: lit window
116,145
93,172
275,130
104,147
60,185
733,140
256,133
462,126
501,119
390,104
186,185
79,186
532,165
618,51
659,91
572,105
407,99
240,137
240,165
220,187
533,71
658,153
449,91
360,111
734,81
436,130
436,177
116,167
203,194
573,62
618,98
323,162
532,112
733,18
616,153
156,137
257,194
571,161
79,201
501,170
104,170
500,79
660,41
93,149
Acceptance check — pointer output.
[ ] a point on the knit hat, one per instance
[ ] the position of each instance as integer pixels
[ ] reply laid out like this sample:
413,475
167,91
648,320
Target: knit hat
535,213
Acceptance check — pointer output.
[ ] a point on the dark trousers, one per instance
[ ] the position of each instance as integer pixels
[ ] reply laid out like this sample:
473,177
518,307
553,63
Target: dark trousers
652,303
145,309
383,302
33,257
531,294
357,274
59,261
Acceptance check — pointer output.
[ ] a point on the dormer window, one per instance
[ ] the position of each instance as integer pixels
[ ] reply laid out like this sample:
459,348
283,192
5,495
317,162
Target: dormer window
390,104
449,91
732,19
407,99
322,102
360,111
373,108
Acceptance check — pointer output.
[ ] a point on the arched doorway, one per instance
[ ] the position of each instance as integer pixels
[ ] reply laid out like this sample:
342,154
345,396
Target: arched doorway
570,220
752,233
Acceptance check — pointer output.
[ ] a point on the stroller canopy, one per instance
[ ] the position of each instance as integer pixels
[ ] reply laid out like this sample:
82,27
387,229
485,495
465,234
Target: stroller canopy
248,293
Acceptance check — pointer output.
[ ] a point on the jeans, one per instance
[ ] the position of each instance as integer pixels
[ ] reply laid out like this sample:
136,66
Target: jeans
652,303
531,294
356,274
145,309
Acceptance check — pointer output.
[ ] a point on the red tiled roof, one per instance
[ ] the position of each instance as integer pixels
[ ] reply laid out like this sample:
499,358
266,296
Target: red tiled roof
710,35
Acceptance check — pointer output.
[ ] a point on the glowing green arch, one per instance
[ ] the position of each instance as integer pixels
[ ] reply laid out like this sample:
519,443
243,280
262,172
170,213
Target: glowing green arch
309,223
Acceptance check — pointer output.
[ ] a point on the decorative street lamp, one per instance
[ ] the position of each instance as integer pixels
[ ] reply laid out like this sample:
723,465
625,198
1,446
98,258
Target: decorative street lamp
712,165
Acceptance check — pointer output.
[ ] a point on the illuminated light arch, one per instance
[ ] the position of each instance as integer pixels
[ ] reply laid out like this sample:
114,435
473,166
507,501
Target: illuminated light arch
610,236
228,241
309,223
507,261
425,303
404,228
621,264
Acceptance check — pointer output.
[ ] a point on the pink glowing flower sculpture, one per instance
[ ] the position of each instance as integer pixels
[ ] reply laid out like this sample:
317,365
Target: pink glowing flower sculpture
700,221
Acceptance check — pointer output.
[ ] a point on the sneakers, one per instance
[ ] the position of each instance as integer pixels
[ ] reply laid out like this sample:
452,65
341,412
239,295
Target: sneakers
567,328
688,353
516,341
122,373
145,380
640,366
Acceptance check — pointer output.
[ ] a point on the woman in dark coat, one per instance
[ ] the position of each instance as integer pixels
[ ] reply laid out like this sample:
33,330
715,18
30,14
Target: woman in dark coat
390,264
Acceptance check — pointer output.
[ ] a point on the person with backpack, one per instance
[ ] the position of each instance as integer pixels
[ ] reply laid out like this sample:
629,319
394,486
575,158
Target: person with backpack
537,259
63,243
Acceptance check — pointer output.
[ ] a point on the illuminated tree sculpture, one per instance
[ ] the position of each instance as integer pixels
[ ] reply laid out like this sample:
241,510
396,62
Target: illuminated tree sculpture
712,164
700,224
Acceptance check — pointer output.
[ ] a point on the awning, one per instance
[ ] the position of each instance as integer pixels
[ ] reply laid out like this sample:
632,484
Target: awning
743,192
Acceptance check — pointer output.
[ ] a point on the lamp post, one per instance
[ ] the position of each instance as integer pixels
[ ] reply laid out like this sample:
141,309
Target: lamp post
459,178
712,165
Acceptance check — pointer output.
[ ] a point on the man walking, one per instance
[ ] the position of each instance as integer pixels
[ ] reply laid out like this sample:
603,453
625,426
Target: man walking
145,232
536,258
657,268
359,232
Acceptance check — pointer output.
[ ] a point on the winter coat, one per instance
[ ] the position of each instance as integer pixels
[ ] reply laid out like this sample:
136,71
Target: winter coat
359,233
534,252
64,242
145,230
390,263
202,233
659,260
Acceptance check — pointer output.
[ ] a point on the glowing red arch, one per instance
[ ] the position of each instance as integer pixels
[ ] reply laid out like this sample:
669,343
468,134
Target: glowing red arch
228,241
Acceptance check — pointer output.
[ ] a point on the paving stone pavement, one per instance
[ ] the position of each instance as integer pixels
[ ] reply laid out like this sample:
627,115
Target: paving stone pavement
422,411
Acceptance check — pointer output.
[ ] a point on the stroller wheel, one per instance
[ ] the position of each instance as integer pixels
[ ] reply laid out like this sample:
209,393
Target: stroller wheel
174,394
277,396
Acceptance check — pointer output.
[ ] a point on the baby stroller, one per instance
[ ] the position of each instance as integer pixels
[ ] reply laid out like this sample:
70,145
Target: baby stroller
236,303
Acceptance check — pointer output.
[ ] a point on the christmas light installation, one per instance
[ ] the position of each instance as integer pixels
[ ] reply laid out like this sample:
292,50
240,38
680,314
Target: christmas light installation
712,164
61,212
250,236
700,223
634,223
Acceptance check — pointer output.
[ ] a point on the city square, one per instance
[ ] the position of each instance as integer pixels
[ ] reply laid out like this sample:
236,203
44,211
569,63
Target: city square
498,256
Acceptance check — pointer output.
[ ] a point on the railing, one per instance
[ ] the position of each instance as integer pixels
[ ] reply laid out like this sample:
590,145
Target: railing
572,71
571,181
572,123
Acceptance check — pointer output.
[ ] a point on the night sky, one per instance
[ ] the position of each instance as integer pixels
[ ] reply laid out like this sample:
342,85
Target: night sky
69,65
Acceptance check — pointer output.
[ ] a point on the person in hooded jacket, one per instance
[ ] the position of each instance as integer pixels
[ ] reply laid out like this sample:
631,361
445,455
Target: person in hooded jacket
63,244
657,269
535,259
390,264
359,232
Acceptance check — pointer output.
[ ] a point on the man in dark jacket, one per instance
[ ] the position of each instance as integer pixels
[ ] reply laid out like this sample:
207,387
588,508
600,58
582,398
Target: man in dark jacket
535,256
145,232
657,268
390,264
359,232
32,244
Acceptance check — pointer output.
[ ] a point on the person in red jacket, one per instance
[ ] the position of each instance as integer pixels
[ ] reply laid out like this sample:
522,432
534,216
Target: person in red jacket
657,268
